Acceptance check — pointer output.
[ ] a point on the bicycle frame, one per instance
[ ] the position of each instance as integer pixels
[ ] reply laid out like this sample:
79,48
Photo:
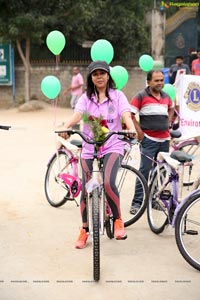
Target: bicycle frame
176,170
98,210
181,204
95,182
174,176
73,152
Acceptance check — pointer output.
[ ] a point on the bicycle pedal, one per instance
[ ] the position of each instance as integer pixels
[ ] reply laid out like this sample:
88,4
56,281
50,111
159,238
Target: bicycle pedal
122,238
191,232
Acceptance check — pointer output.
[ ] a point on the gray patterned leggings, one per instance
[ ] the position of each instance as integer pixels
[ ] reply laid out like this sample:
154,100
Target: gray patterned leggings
111,163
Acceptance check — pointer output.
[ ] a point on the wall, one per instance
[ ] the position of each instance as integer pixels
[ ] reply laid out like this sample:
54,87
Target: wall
135,83
181,34
158,35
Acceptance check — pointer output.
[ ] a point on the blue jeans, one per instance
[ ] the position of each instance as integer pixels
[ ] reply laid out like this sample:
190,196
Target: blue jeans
150,148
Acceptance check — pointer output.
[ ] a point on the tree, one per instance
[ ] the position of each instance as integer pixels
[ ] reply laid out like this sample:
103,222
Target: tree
123,23
29,21
20,23
24,22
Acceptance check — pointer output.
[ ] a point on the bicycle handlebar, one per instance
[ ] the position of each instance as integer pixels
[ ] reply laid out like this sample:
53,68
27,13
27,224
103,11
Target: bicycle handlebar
93,142
4,127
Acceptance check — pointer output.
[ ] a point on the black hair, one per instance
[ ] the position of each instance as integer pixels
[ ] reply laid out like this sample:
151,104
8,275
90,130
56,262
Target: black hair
179,57
90,87
150,74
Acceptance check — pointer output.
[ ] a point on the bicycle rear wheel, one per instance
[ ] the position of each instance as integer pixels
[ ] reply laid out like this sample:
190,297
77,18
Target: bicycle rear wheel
157,213
56,191
96,234
192,148
127,178
187,231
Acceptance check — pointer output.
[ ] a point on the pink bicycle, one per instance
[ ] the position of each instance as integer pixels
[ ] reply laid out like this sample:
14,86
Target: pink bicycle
62,183
63,179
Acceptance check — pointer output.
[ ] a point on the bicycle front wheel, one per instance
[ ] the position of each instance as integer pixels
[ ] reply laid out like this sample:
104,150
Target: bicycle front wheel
157,213
193,149
109,226
187,231
56,191
96,234
127,179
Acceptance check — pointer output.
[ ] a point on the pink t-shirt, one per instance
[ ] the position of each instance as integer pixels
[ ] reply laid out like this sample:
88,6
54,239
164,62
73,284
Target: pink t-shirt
196,66
77,80
112,111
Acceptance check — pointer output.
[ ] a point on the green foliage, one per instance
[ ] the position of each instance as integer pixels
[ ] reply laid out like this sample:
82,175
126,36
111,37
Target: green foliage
115,20
21,19
121,22
98,126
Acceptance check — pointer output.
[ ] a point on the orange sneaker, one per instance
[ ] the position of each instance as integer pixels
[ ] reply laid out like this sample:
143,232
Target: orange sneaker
82,239
119,231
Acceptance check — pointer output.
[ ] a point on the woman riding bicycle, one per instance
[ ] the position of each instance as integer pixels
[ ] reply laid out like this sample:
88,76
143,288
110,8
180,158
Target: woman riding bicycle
101,99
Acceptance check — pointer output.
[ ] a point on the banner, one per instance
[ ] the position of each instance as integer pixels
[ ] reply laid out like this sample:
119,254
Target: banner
5,64
189,101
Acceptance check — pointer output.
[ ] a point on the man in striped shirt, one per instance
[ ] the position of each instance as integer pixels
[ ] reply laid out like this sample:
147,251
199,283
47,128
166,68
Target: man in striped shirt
156,111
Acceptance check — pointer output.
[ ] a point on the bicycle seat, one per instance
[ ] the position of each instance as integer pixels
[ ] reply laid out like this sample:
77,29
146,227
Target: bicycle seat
166,156
77,143
181,156
175,134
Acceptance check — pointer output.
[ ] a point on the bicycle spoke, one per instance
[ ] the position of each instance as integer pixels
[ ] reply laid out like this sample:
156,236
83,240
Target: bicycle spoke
127,180
187,230
55,189
157,213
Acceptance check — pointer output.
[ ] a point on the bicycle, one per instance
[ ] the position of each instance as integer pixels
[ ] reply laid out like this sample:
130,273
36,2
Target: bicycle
63,179
192,148
99,212
166,206
165,188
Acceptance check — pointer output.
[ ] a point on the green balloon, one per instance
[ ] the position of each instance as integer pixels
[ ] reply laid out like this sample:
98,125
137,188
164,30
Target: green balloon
170,90
50,86
120,76
102,50
55,42
146,62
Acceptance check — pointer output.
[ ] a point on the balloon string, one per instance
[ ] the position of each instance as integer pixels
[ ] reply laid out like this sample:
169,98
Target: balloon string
56,62
55,111
55,119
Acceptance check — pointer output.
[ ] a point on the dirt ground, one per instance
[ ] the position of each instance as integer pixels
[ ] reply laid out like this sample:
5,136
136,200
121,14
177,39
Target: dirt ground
37,254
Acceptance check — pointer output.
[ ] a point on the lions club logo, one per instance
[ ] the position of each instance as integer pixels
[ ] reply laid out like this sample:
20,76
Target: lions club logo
192,95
